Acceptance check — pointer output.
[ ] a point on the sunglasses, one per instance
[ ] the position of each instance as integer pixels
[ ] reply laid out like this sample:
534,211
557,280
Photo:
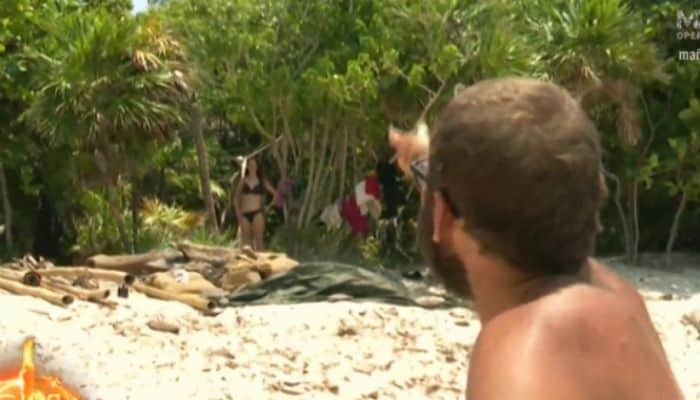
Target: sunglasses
419,170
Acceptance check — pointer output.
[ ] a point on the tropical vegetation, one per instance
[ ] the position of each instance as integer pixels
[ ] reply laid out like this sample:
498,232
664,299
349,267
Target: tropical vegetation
119,130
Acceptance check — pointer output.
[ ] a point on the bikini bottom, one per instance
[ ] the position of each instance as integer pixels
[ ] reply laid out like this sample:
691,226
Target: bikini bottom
250,215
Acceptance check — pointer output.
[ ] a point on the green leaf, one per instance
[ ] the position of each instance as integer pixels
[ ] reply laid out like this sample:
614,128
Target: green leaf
415,77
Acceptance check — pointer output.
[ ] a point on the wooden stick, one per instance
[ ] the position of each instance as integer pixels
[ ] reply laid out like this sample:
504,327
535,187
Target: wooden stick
11,275
44,294
192,300
132,262
29,278
83,281
79,293
210,254
107,303
94,273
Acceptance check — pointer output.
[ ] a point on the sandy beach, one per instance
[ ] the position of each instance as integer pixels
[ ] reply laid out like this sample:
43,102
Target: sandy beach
311,351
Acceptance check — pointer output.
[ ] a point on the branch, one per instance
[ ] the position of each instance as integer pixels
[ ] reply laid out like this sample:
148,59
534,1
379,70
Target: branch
263,147
611,176
257,123
420,85
307,57
449,12
432,101
652,126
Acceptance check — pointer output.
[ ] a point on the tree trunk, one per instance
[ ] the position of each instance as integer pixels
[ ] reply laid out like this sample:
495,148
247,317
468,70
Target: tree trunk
204,168
635,222
617,198
311,174
115,210
153,261
343,163
104,160
7,209
134,214
673,233
317,184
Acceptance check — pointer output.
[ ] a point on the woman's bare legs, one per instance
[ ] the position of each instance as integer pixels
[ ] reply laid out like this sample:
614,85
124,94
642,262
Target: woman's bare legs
258,231
247,238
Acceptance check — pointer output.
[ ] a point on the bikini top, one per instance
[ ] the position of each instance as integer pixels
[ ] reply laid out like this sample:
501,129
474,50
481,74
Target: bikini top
257,189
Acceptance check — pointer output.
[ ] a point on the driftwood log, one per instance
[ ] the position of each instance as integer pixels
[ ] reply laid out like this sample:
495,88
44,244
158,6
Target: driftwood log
279,263
215,294
29,278
193,300
11,275
93,273
42,293
153,261
217,256
84,282
79,293
179,281
235,279
208,271
265,263
212,273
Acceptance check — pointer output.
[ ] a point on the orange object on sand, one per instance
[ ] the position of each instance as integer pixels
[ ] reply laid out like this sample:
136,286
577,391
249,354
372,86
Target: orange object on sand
24,384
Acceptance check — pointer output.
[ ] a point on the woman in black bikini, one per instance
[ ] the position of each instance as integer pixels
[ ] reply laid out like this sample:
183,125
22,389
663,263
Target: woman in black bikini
249,203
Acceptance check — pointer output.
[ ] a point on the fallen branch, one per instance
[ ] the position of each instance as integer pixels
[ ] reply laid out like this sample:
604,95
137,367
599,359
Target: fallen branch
29,278
193,282
192,300
79,293
11,275
44,294
132,263
209,254
83,281
94,273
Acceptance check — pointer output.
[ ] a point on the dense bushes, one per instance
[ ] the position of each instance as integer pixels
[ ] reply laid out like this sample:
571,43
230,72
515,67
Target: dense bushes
99,111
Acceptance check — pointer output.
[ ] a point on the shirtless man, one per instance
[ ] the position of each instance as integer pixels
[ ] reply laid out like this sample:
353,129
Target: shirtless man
509,214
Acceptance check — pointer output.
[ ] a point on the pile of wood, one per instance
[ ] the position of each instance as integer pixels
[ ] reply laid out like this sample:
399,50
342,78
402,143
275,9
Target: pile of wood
197,275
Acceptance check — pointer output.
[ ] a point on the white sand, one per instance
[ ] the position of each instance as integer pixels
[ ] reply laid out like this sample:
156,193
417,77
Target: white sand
311,351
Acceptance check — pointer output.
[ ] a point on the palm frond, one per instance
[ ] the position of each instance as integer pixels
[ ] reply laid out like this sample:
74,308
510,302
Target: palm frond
110,75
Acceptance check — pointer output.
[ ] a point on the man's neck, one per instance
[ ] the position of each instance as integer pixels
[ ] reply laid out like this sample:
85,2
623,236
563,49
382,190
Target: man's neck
499,287
496,285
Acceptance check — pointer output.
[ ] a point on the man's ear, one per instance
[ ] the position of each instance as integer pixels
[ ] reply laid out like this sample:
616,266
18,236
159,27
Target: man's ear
443,219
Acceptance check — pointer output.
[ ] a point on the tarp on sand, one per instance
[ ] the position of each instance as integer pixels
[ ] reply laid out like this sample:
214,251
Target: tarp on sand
329,281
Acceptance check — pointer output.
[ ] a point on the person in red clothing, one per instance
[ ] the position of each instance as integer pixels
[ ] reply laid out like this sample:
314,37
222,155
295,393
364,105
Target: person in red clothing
352,214
372,187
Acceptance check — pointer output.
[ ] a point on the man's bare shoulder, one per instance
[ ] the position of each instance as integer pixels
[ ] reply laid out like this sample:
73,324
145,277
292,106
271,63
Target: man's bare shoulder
540,347
556,315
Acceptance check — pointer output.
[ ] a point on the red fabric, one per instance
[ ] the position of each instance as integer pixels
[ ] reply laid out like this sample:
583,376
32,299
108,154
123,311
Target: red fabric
351,212
372,187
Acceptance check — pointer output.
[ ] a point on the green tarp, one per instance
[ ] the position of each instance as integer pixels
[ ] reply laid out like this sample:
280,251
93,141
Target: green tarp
324,281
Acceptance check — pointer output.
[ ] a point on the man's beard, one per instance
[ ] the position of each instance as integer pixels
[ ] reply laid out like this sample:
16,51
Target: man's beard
443,261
